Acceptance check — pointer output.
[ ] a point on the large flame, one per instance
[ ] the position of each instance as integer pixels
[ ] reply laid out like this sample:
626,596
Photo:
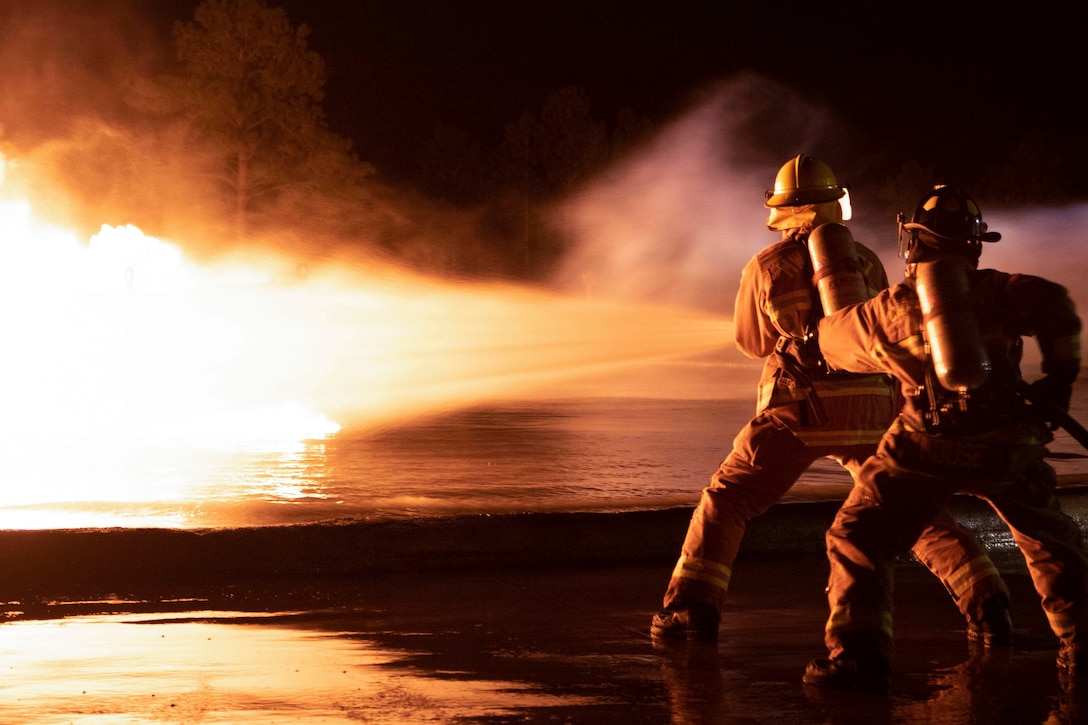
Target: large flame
120,347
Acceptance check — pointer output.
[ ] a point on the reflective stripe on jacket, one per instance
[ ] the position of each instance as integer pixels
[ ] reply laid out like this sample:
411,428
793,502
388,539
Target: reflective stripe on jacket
777,303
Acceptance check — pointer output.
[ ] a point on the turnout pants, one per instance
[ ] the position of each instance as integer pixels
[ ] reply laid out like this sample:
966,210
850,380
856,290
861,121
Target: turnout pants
766,460
890,507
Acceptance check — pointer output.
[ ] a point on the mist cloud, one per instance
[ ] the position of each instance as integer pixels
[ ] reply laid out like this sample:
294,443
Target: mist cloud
677,221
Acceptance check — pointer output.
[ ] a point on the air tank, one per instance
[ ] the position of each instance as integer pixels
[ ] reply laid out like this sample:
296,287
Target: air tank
955,341
835,263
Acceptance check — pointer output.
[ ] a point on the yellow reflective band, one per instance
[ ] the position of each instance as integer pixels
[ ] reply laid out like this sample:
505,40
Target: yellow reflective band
815,437
790,302
1063,624
970,574
915,345
783,392
788,317
766,390
846,618
703,570
849,389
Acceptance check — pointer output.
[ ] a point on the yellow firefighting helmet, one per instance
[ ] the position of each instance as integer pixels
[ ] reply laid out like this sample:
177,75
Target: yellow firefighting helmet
804,180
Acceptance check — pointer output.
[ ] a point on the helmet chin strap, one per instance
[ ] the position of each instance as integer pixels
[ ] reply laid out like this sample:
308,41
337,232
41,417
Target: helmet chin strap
904,238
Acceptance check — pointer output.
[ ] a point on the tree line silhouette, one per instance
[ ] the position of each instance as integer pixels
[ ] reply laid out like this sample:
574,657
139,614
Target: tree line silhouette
233,134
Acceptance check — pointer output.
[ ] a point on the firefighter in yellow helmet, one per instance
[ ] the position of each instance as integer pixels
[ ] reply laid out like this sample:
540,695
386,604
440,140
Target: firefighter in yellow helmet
805,412
952,335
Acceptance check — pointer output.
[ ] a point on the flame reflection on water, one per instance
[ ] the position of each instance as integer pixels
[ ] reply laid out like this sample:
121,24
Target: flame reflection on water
133,375
590,454
224,667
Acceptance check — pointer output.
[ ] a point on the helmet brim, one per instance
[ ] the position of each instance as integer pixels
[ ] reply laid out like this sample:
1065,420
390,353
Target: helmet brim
984,237
804,197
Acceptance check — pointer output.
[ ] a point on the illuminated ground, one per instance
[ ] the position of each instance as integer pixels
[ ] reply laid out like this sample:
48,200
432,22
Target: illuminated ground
513,639
564,645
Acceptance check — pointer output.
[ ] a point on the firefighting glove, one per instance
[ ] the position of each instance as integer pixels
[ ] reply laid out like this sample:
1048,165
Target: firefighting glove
1051,392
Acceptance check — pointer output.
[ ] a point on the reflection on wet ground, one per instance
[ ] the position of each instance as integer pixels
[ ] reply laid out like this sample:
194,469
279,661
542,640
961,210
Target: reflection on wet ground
225,667
558,645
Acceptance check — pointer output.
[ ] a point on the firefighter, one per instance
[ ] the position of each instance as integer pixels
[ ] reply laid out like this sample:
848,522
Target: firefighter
804,413
952,334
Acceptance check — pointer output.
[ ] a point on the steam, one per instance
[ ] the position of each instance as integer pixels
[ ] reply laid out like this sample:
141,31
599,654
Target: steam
678,220
66,59
1048,242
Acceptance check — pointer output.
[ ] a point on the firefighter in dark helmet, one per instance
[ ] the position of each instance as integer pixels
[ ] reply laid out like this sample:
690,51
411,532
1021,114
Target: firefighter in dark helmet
952,335
804,413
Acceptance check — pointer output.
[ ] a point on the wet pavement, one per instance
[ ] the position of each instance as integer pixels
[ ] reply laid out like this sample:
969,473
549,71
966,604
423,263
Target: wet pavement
499,642
510,646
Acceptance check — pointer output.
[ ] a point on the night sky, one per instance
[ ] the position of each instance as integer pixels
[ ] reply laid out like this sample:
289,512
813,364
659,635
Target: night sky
942,83
950,85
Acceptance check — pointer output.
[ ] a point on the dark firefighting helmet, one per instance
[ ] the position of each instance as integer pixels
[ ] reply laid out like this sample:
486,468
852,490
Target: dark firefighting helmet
946,219
950,215
804,180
